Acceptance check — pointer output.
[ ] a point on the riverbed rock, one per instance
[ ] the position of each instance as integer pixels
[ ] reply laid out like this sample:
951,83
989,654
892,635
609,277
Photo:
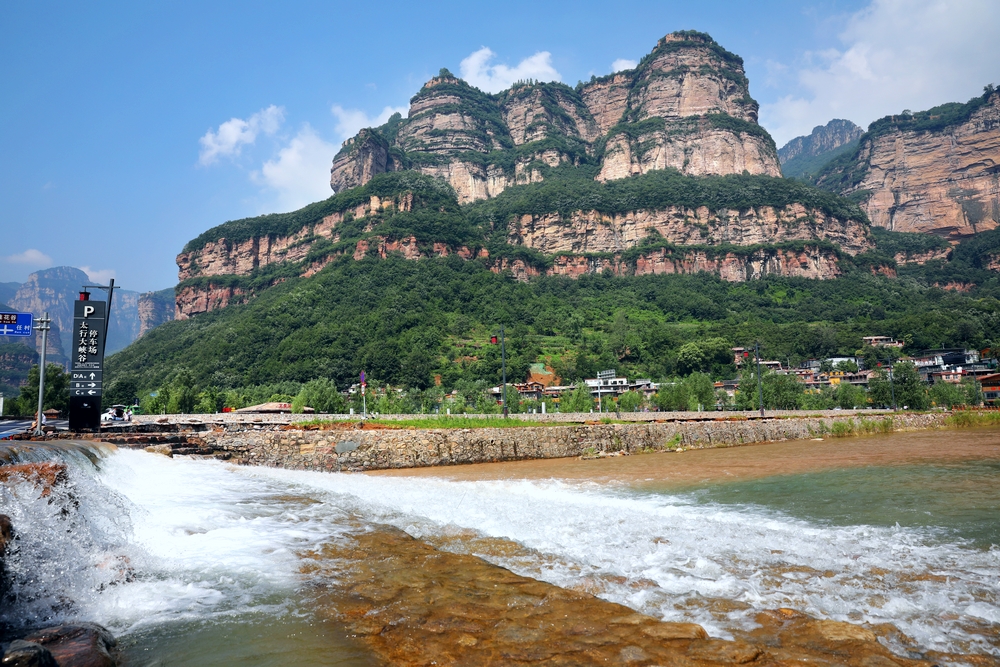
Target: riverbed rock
46,475
165,450
22,653
77,645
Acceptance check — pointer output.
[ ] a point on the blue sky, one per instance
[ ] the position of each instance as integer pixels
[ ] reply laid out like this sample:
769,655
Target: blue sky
126,129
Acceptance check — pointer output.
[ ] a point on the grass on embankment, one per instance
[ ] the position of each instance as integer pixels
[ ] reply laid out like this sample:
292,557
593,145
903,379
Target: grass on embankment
969,418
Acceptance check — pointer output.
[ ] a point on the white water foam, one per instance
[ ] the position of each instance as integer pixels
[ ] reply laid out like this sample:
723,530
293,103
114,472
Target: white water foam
207,539
154,539
691,552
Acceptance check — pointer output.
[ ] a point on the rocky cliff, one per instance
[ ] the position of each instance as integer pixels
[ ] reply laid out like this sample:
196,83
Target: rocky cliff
935,171
675,224
686,106
155,308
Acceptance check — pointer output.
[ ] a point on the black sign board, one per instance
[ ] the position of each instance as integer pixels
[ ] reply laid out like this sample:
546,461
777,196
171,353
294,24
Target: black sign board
87,365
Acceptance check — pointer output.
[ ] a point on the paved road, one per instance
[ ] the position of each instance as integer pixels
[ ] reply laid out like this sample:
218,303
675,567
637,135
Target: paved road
12,427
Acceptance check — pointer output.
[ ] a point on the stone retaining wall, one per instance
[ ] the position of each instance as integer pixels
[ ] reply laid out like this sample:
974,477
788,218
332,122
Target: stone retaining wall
561,417
356,449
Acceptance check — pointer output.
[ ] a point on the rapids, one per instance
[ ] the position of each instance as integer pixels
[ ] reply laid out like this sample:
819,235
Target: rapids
164,549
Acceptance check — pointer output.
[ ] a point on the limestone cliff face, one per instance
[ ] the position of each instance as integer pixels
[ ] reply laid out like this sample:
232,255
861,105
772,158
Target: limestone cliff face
592,232
155,308
362,157
686,106
533,113
704,151
942,180
809,262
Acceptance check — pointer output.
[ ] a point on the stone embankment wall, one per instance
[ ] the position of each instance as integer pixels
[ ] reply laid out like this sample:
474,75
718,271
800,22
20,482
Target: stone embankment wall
349,449
558,417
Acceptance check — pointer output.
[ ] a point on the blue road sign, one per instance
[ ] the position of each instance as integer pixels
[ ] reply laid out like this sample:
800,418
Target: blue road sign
16,324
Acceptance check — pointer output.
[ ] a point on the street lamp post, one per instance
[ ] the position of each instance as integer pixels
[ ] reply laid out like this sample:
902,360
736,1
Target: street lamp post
503,366
760,381
43,326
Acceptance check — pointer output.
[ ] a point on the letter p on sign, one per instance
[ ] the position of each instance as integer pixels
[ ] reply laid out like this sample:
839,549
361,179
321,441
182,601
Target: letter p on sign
88,311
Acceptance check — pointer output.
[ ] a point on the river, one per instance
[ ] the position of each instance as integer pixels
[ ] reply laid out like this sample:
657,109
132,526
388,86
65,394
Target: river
197,562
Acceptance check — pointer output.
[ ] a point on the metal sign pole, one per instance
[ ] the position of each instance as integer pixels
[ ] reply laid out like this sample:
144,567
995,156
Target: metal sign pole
760,380
503,362
43,326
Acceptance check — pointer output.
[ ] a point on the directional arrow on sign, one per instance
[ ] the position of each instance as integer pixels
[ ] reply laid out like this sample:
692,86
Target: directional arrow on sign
91,392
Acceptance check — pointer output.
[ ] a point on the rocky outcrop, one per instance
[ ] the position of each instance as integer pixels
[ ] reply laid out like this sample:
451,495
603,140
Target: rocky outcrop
918,176
155,308
592,232
695,93
808,262
693,147
823,139
360,158
938,254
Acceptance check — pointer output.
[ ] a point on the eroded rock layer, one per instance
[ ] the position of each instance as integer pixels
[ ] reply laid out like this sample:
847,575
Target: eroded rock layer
686,106
916,177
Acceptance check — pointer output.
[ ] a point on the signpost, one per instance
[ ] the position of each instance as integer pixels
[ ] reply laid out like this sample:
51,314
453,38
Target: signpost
21,325
16,324
87,363
364,401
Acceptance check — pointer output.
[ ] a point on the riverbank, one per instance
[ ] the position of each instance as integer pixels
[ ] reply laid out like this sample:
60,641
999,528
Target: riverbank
359,446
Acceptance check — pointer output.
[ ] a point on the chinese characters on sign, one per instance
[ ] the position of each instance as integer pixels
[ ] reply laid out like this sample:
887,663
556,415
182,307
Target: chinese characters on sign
15,324
88,348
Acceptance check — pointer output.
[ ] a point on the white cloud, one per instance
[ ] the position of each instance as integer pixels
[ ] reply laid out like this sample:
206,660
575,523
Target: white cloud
349,121
235,132
623,63
896,54
31,257
99,276
477,70
300,174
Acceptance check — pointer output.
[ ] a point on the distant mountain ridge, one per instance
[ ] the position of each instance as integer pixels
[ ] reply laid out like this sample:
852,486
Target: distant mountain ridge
806,155
54,291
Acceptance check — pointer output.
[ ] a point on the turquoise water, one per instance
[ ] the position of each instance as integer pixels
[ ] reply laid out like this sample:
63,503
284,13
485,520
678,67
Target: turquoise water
954,501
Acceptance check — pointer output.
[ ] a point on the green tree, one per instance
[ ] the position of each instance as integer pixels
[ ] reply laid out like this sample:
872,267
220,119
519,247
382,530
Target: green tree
630,401
910,391
183,395
210,400
321,395
706,356
700,391
56,391
823,399
849,396
578,400
782,392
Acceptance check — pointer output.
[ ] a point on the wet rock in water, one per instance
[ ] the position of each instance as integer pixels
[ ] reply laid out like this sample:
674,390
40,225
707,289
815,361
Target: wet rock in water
78,645
20,653
45,475
414,605
6,533
165,450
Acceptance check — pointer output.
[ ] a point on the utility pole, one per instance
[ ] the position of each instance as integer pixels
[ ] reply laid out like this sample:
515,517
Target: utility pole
892,384
760,381
43,326
503,365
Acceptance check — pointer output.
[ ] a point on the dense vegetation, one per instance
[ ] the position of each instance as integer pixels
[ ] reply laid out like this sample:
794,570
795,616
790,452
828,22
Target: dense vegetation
406,322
